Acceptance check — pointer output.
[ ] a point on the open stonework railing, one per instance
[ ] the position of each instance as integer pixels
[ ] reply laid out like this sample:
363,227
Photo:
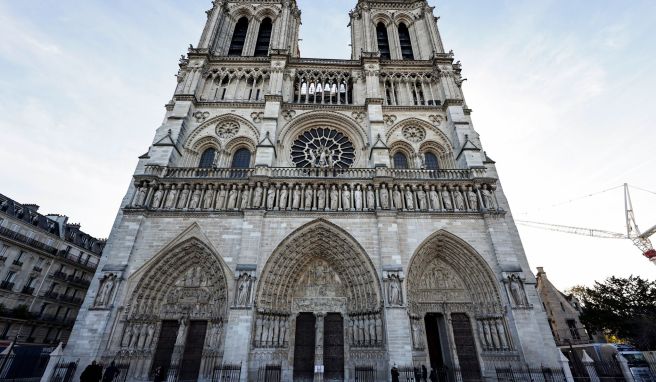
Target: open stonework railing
287,189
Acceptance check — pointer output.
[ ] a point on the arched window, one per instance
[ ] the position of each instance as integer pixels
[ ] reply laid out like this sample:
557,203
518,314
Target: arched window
406,44
207,159
431,161
400,161
263,38
241,159
383,41
238,38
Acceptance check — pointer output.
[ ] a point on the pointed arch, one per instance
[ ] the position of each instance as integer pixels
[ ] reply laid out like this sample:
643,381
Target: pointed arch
187,277
264,37
324,241
239,37
446,270
405,42
382,37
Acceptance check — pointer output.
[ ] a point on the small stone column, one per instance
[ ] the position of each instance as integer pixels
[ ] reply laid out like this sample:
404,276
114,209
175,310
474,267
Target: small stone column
589,367
564,363
318,353
53,361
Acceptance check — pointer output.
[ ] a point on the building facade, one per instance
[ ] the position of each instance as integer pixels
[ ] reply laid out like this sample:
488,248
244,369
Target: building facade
46,266
563,312
320,216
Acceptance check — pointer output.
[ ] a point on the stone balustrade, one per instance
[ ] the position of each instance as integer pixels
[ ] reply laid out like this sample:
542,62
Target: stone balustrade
299,189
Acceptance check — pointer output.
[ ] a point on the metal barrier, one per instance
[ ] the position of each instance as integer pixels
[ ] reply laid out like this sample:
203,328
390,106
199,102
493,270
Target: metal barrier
226,373
269,373
64,371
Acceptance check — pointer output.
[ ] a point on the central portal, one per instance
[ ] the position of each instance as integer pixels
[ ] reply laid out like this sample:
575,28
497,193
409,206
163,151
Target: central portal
319,347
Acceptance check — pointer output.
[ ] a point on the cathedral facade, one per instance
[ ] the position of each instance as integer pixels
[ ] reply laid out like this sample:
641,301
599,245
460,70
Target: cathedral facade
320,217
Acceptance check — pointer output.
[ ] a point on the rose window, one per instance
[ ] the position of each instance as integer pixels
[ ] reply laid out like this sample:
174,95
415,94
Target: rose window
414,134
323,148
227,130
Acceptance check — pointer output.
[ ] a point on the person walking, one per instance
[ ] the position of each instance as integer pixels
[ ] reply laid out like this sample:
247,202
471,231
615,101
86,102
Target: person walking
111,373
433,376
92,373
424,373
395,373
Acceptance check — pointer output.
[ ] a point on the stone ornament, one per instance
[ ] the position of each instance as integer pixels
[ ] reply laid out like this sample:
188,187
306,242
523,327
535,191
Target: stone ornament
436,119
201,116
244,282
414,134
417,331
257,116
493,333
516,291
105,291
389,119
288,115
323,148
359,116
227,130
393,283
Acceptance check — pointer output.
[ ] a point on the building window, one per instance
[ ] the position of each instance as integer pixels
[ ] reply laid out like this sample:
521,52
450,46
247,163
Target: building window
238,38
11,276
406,44
263,38
3,250
44,306
571,324
5,331
400,161
207,159
431,161
241,159
383,41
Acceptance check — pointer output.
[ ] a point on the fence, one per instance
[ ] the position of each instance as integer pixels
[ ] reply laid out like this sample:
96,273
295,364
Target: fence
64,372
269,373
24,367
226,373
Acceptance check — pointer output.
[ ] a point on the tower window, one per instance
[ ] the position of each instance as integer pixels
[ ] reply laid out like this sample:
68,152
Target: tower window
241,159
431,161
383,41
263,38
400,161
207,159
406,44
238,38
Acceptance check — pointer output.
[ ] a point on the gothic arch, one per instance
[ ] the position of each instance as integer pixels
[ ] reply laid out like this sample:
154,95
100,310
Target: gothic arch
208,129
336,121
269,12
190,268
329,243
382,17
446,270
404,18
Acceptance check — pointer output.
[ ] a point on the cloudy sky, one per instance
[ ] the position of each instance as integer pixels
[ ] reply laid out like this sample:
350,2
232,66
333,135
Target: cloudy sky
562,92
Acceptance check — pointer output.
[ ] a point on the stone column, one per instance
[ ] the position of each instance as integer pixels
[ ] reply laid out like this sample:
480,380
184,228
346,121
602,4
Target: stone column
589,367
564,364
53,361
318,353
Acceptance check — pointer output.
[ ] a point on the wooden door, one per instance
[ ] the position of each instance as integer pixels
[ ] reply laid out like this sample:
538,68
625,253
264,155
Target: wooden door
304,347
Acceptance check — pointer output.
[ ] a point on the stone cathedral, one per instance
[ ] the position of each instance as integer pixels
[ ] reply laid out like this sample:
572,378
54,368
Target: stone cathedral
314,216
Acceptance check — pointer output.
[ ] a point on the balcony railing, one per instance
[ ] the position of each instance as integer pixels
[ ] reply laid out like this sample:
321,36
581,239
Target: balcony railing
51,294
27,290
17,263
70,299
6,285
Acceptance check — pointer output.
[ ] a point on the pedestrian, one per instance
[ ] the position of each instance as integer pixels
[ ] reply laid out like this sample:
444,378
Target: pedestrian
395,373
424,373
110,373
433,376
158,375
92,373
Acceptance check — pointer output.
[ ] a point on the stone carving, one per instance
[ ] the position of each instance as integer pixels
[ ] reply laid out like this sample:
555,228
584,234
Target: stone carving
409,198
221,198
283,197
214,335
414,134
245,198
227,129
257,116
421,198
142,192
396,196
182,331
208,199
323,148
271,198
359,116
384,197
446,199
472,198
288,115
321,198
232,198
296,197
516,291
417,330
488,200
157,198
371,198
394,287
357,196
271,331
389,119
436,119
493,334
346,198
366,330
308,198
434,199
459,201
201,116
105,291
184,195
243,295
171,198
257,196
334,198
419,161
195,199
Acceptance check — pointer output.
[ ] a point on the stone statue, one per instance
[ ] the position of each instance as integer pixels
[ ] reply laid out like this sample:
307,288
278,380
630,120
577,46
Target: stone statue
283,197
157,199
184,195
257,196
487,198
271,197
357,196
182,331
141,196
459,200
398,201
419,163
245,283
209,198
171,198
308,198
421,198
334,198
394,296
371,198
517,290
127,336
296,198
232,198
473,199
220,200
384,197
195,199
346,198
245,198
409,198
105,291
446,199
321,198
417,334
434,199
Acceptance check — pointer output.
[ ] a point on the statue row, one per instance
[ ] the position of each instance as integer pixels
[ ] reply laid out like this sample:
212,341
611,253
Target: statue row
315,197
366,330
493,334
271,331
140,336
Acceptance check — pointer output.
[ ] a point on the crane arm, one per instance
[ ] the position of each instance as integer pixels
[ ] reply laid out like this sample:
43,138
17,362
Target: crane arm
574,230
649,232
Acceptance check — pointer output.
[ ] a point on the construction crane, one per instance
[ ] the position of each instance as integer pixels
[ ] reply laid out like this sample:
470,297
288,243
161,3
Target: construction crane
640,240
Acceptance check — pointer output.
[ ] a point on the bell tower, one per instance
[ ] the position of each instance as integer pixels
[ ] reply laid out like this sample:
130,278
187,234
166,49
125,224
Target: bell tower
251,28
399,30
